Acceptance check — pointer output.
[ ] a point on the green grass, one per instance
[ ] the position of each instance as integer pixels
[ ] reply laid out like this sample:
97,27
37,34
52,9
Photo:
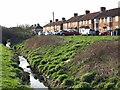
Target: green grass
8,72
53,61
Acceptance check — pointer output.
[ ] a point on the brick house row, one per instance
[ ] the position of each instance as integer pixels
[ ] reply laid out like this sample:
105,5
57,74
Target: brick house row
103,20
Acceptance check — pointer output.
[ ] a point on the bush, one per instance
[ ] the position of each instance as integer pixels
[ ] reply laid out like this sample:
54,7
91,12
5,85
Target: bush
62,77
117,85
43,62
88,77
60,72
82,86
101,85
51,71
113,80
51,66
55,75
68,82
58,67
109,85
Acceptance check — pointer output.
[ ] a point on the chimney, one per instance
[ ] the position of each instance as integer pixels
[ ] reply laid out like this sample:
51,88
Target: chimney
87,12
63,19
102,9
56,20
75,14
50,21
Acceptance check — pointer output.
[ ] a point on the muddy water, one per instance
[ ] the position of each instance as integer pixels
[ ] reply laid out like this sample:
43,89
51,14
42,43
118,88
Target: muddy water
34,83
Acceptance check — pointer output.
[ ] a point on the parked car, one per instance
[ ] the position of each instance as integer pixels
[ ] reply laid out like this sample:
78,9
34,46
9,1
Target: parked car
41,33
103,33
71,32
48,33
87,32
59,32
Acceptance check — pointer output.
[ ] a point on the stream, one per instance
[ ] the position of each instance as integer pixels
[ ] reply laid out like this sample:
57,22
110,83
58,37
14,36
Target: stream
34,83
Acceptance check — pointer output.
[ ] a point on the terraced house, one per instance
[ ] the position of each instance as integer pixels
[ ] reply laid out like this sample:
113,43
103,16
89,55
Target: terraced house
107,20
54,26
102,21
72,23
87,21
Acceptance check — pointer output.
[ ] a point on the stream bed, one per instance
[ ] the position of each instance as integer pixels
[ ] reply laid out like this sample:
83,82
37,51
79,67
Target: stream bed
34,83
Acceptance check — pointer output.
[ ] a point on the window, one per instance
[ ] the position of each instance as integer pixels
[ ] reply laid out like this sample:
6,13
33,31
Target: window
104,20
86,21
80,22
89,21
100,20
96,20
116,27
116,18
83,23
110,19
109,28
76,23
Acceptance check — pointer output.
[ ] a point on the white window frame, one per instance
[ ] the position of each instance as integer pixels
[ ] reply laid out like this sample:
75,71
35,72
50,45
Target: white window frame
116,26
89,21
104,20
86,22
108,19
80,22
116,18
83,22
100,20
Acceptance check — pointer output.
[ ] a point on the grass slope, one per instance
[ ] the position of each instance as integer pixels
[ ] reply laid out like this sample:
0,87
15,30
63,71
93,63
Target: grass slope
59,59
10,71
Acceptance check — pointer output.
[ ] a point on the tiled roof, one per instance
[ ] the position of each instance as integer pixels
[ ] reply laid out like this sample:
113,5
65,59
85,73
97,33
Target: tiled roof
89,16
74,19
39,27
110,13
49,24
59,23
54,23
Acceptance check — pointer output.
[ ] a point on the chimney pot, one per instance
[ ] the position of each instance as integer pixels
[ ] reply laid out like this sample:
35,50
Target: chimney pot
56,20
102,8
63,19
75,14
50,21
87,12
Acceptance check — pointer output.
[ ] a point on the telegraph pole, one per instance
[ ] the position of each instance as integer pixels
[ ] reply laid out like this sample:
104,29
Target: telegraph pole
53,16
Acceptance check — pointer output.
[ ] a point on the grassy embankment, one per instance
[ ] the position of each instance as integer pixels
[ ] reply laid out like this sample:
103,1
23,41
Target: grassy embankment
75,61
11,76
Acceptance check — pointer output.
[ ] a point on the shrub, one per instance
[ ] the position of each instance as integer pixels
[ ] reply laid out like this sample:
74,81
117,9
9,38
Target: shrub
60,72
109,85
55,75
45,68
43,62
51,66
101,85
82,86
68,82
88,77
113,80
117,85
51,71
62,77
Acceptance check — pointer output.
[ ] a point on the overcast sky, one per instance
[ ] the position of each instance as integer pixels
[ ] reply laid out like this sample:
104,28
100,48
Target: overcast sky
15,12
